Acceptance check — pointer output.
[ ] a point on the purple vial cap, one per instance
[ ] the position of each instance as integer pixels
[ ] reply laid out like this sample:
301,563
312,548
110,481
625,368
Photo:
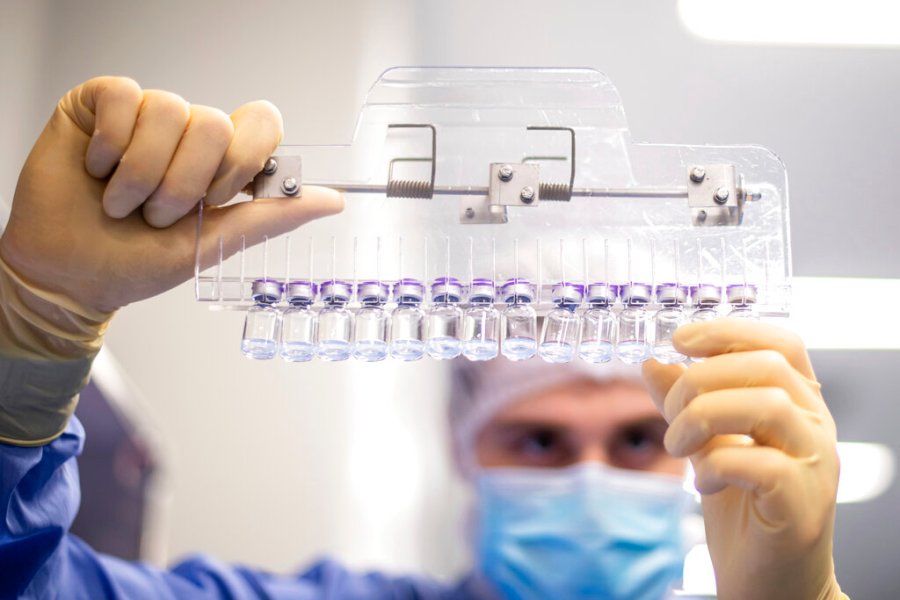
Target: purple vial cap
517,289
567,292
601,292
446,289
706,294
671,293
409,290
301,290
372,291
635,293
741,293
482,290
335,290
266,291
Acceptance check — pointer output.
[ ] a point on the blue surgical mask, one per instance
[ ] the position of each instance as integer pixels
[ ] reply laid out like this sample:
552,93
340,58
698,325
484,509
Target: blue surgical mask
585,531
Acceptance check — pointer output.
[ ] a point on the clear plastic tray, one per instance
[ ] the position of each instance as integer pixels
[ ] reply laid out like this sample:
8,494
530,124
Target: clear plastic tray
629,218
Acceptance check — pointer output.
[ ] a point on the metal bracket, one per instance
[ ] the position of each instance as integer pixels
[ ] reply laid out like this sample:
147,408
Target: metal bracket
510,184
280,177
714,196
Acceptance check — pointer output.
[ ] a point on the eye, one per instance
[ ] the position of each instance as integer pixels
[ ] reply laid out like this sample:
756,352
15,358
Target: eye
542,447
639,446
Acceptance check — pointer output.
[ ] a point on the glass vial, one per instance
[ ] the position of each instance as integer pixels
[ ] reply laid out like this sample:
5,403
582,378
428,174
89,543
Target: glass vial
518,320
443,321
260,339
742,298
481,322
559,338
670,317
706,298
407,320
632,345
298,324
335,329
371,331
598,324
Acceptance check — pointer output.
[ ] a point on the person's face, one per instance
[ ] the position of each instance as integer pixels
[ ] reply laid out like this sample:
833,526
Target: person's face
614,423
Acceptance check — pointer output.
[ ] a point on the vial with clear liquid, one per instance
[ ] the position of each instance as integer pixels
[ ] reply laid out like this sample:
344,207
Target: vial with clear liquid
598,324
298,323
742,298
518,320
335,330
406,321
706,298
670,317
632,345
559,338
443,321
260,339
370,333
481,322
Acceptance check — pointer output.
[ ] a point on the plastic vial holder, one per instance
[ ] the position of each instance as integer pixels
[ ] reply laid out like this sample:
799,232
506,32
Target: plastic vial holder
632,345
371,331
260,339
518,320
742,298
333,339
298,323
559,337
598,324
669,318
443,320
449,169
481,322
706,298
407,320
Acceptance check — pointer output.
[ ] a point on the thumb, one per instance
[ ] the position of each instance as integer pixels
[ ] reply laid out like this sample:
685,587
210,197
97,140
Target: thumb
256,220
659,379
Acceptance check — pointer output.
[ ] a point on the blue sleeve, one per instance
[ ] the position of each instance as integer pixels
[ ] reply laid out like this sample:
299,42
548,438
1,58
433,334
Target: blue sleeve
39,558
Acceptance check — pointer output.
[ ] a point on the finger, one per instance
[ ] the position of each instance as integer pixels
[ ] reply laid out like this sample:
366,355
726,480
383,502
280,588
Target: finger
193,167
258,129
768,415
760,368
754,469
160,125
659,379
256,220
723,336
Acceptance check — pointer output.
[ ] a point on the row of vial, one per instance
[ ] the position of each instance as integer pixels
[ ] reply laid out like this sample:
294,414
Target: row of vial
479,331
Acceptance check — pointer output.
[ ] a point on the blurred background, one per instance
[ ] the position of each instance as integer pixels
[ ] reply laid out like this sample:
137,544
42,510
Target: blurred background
275,465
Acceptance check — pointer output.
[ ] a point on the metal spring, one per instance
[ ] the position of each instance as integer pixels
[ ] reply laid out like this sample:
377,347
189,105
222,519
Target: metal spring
556,191
409,188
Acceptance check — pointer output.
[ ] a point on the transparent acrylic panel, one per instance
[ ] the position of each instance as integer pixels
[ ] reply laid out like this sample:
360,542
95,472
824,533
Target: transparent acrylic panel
631,213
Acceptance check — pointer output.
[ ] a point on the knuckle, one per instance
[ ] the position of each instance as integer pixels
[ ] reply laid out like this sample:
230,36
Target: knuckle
213,124
168,105
773,361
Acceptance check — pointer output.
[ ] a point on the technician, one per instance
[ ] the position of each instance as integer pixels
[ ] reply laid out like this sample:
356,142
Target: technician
576,474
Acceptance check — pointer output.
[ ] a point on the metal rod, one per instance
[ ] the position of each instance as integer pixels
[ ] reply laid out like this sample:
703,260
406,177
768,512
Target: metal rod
462,190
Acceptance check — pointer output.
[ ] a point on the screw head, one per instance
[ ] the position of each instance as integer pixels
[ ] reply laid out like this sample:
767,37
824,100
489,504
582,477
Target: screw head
527,194
698,174
270,167
721,195
289,186
470,213
701,216
505,173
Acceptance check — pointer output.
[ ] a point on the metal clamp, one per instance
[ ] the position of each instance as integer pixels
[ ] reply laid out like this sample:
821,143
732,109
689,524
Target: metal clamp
280,177
714,196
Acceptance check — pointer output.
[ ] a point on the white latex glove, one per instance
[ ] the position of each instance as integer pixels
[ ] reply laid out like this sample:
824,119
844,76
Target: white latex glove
752,419
105,209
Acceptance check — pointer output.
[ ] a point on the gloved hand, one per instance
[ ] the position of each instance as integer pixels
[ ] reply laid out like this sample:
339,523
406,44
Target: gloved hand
104,211
752,419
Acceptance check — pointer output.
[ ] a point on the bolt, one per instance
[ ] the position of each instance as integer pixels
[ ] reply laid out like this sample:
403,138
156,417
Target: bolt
698,174
527,194
271,166
470,213
505,173
701,216
721,195
289,186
